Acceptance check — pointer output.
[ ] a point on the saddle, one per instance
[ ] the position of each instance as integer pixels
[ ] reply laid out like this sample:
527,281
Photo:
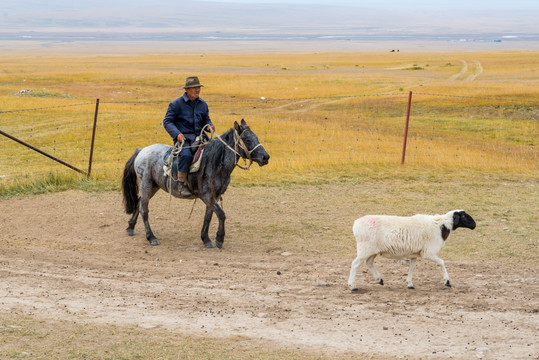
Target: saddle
170,164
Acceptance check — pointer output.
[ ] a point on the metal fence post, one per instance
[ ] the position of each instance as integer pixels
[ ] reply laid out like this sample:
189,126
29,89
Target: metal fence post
406,128
93,138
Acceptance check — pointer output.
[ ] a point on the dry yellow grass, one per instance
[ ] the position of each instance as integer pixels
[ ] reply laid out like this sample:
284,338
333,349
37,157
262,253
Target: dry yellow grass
326,117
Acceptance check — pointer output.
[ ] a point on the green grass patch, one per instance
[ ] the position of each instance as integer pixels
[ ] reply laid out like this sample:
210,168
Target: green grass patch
50,183
414,67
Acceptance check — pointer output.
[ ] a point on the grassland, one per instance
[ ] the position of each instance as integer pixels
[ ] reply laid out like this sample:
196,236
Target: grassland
326,117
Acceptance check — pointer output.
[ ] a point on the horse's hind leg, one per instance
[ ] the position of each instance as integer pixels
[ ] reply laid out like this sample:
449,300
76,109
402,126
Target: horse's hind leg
132,222
206,227
147,193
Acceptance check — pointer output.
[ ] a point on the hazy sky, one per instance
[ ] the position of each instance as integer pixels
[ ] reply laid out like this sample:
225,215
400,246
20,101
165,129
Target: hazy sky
501,4
345,23
416,5
300,17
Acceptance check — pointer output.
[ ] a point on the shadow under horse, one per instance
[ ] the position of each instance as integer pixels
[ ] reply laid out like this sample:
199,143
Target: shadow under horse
144,172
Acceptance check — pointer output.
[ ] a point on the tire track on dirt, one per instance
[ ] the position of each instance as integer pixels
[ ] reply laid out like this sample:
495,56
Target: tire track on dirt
477,71
463,70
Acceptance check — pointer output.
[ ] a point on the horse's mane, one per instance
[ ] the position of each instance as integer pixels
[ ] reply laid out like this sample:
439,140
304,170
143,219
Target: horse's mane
215,150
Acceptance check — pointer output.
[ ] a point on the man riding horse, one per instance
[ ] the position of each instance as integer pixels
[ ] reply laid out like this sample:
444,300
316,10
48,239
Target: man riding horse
185,118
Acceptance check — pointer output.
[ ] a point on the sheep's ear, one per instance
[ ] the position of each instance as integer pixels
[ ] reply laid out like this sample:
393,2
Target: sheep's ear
456,219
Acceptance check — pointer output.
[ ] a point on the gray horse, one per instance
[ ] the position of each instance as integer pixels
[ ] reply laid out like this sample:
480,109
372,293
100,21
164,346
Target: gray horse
145,170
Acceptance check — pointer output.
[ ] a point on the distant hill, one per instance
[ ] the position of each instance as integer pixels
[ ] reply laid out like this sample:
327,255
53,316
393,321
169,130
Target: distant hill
159,19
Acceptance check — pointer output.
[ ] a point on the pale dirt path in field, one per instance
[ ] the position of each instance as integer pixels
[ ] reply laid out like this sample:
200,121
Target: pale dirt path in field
66,256
307,105
477,71
462,74
463,70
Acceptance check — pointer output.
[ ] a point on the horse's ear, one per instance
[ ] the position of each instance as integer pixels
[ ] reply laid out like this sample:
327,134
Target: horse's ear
236,126
243,123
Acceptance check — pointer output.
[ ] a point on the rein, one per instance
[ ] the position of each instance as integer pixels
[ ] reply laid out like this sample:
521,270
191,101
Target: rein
174,154
239,141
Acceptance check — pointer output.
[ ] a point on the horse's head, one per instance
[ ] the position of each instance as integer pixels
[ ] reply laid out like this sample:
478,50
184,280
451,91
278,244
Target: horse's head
250,147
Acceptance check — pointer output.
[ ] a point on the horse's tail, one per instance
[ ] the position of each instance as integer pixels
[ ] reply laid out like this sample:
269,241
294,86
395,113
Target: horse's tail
130,185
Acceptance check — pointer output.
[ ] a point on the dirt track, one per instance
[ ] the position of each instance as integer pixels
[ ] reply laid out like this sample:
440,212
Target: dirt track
66,256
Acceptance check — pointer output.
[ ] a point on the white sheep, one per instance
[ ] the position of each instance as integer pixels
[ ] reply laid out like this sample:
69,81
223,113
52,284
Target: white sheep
400,237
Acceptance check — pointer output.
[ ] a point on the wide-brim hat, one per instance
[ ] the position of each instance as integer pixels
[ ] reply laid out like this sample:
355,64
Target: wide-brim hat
191,82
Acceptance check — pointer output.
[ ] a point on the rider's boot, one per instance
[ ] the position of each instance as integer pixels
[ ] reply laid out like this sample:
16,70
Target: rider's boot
184,190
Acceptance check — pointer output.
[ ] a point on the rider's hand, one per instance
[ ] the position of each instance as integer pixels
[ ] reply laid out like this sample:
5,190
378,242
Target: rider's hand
180,138
212,128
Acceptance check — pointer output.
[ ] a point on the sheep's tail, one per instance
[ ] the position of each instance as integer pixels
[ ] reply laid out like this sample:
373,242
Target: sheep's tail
130,185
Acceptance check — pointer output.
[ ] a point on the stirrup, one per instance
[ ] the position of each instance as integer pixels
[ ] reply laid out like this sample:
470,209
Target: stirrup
184,191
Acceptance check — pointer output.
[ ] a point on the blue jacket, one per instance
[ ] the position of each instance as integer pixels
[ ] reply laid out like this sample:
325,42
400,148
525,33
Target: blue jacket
186,117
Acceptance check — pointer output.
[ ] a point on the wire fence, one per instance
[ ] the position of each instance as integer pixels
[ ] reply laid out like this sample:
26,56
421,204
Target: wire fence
348,133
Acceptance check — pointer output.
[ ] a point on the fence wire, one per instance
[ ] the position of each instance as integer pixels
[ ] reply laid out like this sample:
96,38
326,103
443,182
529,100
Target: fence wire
346,133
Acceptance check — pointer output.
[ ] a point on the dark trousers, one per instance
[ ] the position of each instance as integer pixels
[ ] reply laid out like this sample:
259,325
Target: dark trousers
185,159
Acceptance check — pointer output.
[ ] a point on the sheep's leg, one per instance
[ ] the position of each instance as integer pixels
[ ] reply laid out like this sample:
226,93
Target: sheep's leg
410,271
353,271
377,275
444,270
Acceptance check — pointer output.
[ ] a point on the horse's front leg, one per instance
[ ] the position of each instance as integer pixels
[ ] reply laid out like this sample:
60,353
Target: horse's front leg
206,227
220,238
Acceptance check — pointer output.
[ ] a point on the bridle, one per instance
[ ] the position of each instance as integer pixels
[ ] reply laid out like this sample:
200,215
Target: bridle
238,142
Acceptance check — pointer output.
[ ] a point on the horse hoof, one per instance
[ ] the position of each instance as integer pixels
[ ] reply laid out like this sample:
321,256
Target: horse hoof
411,287
209,245
219,244
130,232
381,282
154,242
447,283
355,289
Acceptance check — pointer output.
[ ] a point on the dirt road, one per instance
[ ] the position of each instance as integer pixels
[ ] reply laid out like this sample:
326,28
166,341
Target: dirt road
66,256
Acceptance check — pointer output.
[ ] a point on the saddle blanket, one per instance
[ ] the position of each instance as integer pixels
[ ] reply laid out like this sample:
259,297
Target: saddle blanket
170,165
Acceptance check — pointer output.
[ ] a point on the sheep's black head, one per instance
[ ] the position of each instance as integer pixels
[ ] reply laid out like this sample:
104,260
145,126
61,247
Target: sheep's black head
461,219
